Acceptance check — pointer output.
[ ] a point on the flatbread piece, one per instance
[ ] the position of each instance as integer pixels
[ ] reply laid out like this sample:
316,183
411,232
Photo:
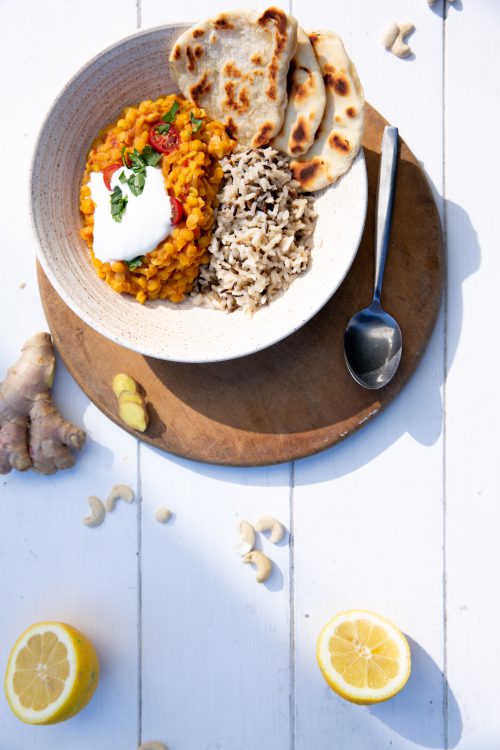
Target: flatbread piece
306,100
338,138
235,66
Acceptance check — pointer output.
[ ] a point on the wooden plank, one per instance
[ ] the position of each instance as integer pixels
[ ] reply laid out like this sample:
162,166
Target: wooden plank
472,400
51,565
215,644
368,513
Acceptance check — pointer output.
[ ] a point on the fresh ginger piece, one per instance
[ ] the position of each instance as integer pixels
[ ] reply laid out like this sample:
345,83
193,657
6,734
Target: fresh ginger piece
131,407
132,411
32,432
130,397
123,382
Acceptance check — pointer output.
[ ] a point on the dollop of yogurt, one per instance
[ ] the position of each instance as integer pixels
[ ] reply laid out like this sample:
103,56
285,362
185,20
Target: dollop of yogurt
145,221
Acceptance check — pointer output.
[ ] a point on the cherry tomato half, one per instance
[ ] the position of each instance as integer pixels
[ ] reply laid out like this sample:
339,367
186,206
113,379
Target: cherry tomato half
163,142
108,174
177,211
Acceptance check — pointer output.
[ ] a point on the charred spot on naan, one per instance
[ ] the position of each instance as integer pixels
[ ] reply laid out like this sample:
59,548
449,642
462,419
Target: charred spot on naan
236,101
197,33
200,89
176,53
231,70
299,136
337,83
263,135
300,90
337,141
272,89
191,64
256,59
305,173
280,21
222,22
231,127
351,112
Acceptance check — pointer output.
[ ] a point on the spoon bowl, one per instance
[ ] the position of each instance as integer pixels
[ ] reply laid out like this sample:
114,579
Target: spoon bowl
372,346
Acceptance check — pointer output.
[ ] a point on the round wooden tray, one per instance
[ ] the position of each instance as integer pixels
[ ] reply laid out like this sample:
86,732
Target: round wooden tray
295,398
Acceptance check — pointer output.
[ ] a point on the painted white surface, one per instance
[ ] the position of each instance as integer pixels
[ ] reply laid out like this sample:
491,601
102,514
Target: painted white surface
401,518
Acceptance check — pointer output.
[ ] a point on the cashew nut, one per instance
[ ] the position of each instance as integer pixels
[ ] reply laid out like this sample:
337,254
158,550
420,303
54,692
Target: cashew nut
98,512
247,540
390,34
162,514
119,492
263,565
152,745
394,38
268,523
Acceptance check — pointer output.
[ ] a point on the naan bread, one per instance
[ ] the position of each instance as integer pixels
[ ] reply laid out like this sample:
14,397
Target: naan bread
306,100
339,135
235,67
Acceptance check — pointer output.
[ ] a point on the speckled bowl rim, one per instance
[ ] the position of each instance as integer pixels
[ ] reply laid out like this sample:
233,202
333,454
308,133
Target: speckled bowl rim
97,326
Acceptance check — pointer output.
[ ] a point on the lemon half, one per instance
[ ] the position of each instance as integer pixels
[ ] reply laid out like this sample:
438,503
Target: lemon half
363,658
51,674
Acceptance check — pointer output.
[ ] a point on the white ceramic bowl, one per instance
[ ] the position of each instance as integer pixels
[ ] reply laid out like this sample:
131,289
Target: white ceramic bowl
127,73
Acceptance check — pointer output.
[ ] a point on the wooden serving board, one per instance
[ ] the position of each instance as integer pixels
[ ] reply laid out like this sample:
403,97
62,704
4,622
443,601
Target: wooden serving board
295,398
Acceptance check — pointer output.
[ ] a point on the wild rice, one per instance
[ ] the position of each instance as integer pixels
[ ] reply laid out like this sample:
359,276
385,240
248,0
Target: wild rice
263,233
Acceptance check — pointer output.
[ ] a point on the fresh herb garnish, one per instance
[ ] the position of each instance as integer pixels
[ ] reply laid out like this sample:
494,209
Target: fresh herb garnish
195,123
137,180
162,129
118,203
170,115
150,156
135,263
137,163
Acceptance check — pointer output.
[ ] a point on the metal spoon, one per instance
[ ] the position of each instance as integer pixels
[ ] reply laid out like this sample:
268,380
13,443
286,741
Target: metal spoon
372,339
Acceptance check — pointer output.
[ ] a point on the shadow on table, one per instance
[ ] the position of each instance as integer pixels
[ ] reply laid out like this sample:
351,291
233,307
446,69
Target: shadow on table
272,383
413,715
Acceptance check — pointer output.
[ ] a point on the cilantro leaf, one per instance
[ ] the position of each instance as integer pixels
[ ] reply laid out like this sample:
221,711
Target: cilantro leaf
136,183
135,263
124,157
170,115
136,162
195,123
150,156
162,129
118,203
122,177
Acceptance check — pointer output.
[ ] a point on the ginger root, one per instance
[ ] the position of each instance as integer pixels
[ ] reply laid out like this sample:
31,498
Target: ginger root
131,407
33,435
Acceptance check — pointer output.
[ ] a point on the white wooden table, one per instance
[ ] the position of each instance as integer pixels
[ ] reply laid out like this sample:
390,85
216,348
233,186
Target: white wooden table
402,518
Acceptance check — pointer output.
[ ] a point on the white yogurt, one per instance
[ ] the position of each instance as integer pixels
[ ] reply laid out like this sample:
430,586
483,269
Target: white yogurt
145,221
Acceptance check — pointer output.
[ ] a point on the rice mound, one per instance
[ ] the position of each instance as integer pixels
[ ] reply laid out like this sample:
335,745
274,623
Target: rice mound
263,234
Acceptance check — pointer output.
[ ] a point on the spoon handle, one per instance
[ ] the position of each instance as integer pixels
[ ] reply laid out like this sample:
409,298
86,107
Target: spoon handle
385,196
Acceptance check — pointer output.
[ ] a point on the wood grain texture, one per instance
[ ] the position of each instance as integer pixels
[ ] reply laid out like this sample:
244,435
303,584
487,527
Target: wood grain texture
238,412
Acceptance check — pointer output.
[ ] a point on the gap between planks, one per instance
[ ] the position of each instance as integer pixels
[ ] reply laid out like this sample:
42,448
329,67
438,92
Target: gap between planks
445,377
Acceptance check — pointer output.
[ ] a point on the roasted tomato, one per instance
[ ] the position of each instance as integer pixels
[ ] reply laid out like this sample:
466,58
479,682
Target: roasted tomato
163,142
177,211
108,174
